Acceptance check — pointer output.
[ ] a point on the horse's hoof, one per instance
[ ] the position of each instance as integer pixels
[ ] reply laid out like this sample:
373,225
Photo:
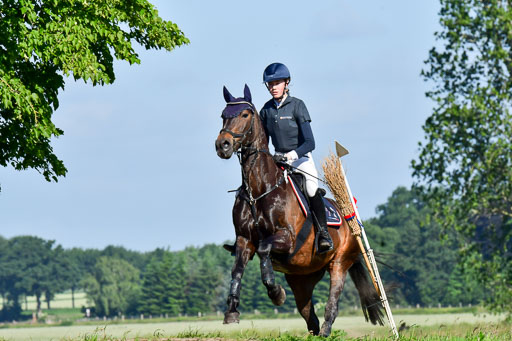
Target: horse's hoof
231,317
313,332
280,298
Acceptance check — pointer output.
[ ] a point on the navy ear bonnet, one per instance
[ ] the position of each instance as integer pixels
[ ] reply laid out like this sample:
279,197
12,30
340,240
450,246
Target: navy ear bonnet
235,106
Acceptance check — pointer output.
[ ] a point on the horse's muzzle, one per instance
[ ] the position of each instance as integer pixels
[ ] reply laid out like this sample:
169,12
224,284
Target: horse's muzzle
224,147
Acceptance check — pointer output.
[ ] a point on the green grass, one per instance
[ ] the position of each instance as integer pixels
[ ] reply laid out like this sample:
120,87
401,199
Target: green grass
69,316
469,332
271,331
457,332
446,310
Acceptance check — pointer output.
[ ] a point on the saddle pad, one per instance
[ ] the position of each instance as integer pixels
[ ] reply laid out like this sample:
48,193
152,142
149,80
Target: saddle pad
331,212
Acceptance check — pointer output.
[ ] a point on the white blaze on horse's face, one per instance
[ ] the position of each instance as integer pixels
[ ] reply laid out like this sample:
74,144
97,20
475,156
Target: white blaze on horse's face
234,133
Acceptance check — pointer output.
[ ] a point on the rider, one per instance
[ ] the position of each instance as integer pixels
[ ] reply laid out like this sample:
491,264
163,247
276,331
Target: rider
286,120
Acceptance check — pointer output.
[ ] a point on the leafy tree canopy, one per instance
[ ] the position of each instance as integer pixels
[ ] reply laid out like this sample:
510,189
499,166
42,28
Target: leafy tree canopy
114,286
41,42
465,162
425,270
30,266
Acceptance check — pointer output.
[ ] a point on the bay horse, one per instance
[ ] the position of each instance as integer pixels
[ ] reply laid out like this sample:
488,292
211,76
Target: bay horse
268,219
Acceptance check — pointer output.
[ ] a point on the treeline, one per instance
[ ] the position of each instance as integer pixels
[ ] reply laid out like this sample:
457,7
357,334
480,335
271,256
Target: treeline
422,260
420,267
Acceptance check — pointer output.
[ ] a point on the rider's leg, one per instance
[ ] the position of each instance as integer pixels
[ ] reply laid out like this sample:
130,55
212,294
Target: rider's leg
318,208
307,166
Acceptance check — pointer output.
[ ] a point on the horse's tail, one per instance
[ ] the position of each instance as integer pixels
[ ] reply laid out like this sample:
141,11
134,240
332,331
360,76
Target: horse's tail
370,300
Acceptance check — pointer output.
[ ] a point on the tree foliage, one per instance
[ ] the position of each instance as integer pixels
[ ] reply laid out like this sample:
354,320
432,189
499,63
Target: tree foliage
426,270
43,41
465,162
31,266
163,286
113,286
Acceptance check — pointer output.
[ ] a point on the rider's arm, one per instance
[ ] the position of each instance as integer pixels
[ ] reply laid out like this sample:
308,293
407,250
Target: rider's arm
303,122
309,141
263,116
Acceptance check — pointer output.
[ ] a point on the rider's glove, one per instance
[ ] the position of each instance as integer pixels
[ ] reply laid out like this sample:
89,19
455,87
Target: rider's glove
291,156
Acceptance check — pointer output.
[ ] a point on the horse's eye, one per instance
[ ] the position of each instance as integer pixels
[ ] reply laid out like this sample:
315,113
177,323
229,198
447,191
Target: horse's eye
245,115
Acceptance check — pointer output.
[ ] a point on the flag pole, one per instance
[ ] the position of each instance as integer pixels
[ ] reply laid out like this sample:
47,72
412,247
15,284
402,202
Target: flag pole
367,250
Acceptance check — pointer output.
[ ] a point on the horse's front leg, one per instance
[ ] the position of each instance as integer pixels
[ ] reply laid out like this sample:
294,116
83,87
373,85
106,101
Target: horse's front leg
244,251
275,291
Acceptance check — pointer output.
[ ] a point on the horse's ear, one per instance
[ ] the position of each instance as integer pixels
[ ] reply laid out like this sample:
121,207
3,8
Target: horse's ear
227,96
247,94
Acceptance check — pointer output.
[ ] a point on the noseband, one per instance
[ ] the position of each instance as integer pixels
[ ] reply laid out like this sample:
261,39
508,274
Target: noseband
237,135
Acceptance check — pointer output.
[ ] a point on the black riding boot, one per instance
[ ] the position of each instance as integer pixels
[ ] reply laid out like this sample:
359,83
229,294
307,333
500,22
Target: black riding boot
318,208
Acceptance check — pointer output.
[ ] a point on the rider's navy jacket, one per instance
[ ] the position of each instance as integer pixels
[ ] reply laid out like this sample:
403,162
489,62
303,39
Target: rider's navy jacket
288,126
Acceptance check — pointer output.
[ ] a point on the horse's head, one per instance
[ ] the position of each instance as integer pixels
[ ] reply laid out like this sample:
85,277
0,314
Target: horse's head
238,122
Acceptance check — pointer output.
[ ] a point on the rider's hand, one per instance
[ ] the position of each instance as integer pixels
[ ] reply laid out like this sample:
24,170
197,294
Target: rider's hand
279,158
291,156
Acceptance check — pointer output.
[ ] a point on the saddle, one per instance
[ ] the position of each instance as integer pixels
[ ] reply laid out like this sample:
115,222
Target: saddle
298,182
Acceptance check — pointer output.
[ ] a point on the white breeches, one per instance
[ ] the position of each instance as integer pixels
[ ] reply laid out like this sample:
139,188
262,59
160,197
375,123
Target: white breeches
307,166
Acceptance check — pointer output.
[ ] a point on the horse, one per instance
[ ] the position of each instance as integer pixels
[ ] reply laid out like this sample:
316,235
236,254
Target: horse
267,220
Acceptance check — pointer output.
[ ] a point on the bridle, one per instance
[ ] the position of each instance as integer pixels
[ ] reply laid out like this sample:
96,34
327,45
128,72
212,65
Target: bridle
248,131
251,200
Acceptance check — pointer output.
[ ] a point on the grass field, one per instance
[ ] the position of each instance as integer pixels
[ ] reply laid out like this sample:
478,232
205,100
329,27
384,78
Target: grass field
60,301
428,326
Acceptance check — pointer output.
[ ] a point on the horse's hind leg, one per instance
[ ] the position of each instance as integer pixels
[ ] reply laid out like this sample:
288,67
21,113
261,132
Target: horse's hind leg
302,287
244,251
275,292
338,272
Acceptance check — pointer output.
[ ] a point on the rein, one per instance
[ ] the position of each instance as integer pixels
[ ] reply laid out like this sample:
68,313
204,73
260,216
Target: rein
297,170
251,200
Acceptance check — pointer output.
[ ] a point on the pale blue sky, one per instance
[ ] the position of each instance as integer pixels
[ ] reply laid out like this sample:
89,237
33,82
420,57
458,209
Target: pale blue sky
143,172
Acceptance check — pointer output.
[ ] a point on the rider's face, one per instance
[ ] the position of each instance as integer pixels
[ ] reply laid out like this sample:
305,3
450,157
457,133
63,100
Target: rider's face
276,88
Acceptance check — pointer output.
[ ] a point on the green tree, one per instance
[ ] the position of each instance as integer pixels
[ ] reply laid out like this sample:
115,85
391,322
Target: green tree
204,284
175,267
3,260
164,285
137,259
60,273
32,257
77,270
114,286
465,162
31,266
41,42
153,290
9,265
427,269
